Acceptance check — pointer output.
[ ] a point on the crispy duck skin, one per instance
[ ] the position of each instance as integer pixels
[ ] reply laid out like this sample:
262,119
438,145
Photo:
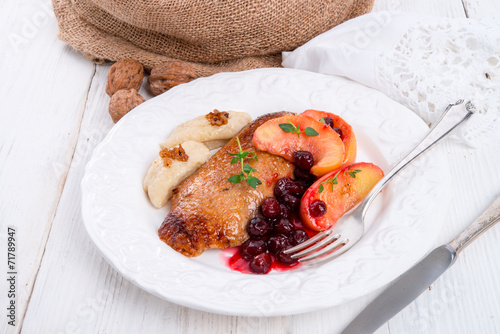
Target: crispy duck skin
208,211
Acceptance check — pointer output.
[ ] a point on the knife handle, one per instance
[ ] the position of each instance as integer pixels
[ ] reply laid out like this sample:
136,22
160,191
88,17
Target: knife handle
486,220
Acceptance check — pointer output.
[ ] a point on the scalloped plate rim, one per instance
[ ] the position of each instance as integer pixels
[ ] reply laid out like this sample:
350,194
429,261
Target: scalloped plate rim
205,305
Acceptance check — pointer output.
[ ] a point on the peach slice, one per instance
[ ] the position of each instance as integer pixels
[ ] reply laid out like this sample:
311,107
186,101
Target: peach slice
326,147
347,136
337,192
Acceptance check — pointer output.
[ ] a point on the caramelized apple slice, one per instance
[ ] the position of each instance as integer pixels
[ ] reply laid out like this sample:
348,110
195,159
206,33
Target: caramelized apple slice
346,133
326,147
337,192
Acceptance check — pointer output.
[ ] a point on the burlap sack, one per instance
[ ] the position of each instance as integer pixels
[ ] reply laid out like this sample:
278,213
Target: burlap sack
213,35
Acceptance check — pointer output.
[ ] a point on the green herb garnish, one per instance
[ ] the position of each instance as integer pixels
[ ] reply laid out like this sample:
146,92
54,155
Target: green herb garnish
246,169
353,173
289,127
333,180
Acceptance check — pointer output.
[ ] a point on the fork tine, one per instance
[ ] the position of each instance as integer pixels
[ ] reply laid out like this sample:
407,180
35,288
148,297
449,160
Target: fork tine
325,241
333,247
308,242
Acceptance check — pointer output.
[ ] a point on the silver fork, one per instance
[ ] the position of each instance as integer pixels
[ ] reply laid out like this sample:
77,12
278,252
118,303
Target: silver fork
329,244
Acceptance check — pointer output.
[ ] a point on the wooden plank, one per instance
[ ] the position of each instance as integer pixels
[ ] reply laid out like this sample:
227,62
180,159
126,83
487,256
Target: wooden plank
481,8
43,94
70,260
465,299
462,300
78,292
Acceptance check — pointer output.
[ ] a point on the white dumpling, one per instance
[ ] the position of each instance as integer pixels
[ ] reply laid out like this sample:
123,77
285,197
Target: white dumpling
199,129
160,180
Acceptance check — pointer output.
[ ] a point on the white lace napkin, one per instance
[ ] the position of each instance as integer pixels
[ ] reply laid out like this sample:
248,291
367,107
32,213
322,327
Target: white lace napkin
422,62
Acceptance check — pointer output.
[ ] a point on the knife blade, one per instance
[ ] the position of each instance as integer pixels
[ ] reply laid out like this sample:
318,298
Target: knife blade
417,279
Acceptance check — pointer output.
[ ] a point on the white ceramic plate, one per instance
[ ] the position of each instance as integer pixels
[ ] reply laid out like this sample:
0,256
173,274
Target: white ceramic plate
403,222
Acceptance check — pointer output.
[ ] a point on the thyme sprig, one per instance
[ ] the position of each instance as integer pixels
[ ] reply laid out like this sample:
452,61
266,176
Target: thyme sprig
246,169
333,180
290,127
352,173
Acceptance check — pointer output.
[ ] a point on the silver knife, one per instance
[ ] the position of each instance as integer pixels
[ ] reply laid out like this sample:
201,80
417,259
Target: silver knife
416,280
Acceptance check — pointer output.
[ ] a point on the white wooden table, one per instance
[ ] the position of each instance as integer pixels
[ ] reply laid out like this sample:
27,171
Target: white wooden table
53,112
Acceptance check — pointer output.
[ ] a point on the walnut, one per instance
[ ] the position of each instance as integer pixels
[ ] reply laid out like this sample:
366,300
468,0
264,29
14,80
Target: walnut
176,153
124,74
217,118
169,74
122,102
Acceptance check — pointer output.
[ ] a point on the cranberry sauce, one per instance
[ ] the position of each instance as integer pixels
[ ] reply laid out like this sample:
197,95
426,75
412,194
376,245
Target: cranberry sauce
278,227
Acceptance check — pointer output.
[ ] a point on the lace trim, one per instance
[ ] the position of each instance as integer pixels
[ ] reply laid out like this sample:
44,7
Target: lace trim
442,60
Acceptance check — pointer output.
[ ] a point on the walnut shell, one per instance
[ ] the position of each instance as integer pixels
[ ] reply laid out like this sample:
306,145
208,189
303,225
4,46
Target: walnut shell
122,102
169,74
124,74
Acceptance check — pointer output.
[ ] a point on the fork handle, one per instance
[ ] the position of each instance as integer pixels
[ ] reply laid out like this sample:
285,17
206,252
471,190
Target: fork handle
486,220
439,131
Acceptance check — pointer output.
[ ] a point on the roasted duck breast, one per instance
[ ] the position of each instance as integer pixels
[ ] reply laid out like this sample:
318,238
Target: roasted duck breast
208,211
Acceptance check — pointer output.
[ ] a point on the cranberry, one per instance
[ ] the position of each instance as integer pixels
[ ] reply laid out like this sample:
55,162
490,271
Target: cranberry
317,208
290,201
261,264
285,211
294,189
287,186
284,226
338,130
281,187
298,237
258,227
285,259
270,208
303,174
272,221
302,186
252,247
277,243
303,159
295,220
329,121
